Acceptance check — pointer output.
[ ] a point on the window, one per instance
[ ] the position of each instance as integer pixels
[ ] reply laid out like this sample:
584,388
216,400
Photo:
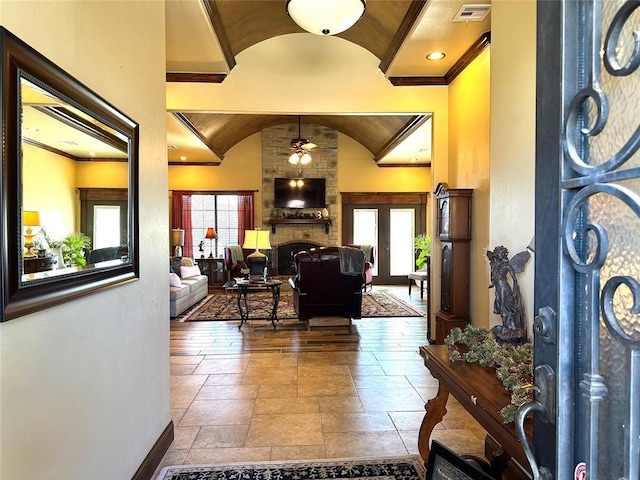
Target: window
219,211
106,226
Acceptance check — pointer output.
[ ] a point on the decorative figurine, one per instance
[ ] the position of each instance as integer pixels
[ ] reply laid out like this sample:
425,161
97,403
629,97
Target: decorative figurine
201,248
508,302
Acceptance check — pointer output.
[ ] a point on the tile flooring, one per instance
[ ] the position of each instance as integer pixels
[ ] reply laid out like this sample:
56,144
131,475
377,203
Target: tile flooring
260,394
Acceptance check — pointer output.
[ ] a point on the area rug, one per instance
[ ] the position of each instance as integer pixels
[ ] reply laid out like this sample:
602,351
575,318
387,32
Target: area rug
397,468
224,306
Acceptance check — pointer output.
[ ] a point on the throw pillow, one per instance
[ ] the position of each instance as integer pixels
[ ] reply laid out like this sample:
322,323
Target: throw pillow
175,263
174,280
187,262
186,272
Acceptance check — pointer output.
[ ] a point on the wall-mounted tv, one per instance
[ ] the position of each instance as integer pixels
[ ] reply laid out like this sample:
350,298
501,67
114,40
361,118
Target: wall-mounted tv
299,192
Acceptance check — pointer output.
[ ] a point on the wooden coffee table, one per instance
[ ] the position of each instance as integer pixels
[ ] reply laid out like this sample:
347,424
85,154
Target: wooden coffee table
247,286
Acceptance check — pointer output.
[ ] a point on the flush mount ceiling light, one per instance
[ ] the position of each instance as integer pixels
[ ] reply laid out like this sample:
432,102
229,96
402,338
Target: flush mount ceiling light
325,17
436,56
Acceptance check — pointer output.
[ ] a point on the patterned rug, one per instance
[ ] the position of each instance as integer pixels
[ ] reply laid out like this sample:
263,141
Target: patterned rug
221,306
400,468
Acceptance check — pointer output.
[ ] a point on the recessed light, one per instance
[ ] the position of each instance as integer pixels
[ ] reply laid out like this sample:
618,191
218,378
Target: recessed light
183,158
32,129
436,56
92,154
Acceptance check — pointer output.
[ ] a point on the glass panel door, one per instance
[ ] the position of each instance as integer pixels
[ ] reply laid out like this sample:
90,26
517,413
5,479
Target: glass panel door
390,229
401,232
365,230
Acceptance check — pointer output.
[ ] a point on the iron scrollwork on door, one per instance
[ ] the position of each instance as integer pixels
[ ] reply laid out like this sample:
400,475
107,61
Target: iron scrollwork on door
598,336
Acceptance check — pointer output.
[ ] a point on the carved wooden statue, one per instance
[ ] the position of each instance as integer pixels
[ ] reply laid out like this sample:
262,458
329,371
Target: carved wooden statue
508,301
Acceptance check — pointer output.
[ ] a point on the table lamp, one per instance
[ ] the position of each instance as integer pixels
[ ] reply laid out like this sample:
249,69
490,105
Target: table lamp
211,234
30,219
177,241
258,239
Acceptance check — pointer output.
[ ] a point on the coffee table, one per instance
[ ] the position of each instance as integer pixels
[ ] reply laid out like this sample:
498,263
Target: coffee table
247,286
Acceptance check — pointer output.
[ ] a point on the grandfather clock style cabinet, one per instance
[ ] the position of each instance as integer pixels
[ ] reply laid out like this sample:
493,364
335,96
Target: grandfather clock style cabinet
453,229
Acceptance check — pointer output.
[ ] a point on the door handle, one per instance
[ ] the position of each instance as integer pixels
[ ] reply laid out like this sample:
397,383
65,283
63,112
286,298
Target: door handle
544,379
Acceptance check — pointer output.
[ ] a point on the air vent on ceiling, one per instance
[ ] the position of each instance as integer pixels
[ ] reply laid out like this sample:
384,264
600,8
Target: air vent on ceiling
472,13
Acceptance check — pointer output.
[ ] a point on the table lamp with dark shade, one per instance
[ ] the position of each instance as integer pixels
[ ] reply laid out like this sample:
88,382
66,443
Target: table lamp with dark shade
211,234
177,241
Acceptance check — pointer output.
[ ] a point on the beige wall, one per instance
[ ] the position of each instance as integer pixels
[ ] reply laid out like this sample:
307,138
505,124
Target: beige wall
513,120
85,385
49,187
469,157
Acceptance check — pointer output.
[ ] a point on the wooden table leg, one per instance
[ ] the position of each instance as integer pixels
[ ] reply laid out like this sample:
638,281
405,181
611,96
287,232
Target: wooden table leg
436,410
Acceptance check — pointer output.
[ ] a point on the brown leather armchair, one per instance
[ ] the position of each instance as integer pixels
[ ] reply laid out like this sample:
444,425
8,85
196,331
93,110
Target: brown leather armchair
233,264
320,290
368,266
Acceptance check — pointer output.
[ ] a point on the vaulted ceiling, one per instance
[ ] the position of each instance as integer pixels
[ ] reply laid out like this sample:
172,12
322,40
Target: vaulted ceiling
204,37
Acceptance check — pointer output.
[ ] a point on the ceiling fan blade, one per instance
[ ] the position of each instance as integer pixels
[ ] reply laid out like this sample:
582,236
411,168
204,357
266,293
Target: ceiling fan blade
324,150
309,145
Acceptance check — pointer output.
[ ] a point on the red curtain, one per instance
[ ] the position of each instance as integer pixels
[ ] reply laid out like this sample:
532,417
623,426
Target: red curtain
245,214
181,217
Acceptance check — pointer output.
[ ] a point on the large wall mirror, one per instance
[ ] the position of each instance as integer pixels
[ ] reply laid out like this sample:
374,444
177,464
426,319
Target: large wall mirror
69,186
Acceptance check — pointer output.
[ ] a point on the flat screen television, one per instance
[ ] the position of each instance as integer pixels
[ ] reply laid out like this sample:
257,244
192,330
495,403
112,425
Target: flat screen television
299,192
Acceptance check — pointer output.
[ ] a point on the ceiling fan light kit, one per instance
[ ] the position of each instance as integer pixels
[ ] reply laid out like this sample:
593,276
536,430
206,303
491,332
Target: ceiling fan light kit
325,17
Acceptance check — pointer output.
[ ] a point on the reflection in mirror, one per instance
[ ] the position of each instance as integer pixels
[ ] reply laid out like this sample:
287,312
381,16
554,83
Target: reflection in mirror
70,147
69,186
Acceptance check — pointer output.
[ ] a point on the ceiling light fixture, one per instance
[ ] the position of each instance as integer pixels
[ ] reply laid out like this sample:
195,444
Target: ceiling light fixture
436,56
325,17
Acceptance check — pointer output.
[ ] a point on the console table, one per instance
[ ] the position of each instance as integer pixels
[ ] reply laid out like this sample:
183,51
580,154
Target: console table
481,393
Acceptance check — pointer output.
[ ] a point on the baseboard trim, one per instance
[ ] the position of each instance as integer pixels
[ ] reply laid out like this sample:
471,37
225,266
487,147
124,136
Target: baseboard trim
148,467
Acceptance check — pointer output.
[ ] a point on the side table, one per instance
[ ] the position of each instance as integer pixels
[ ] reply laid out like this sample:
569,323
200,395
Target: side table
245,287
213,268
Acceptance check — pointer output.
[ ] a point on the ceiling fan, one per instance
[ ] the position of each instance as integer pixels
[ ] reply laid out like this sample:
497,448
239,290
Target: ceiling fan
302,149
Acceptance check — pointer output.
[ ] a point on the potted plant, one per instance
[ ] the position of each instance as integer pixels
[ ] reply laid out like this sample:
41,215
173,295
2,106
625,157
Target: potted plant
73,249
422,244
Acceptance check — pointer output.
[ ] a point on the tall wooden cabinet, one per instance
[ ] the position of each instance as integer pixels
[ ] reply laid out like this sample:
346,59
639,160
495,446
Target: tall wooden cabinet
453,230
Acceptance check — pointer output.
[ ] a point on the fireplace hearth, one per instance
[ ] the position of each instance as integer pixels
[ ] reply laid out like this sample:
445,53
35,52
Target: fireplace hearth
285,253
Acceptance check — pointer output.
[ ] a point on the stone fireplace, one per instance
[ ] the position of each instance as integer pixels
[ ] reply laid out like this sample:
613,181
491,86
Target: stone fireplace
285,253
275,153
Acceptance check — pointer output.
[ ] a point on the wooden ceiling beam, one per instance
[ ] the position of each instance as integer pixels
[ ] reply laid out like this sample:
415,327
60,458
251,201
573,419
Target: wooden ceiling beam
409,20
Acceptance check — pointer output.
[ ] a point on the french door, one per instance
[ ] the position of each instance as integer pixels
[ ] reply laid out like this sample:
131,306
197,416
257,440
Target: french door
390,227
587,292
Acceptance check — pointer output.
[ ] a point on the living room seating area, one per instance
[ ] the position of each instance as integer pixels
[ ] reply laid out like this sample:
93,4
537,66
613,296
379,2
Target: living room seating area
187,286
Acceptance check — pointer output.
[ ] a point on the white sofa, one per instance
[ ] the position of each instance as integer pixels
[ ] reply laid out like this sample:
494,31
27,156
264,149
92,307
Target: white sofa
191,287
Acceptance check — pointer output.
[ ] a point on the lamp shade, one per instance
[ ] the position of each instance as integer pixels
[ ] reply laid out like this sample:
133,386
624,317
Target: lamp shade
211,233
31,219
257,239
325,17
177,237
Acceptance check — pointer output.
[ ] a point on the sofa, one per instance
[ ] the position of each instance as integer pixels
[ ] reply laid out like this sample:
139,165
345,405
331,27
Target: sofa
320,289
187,286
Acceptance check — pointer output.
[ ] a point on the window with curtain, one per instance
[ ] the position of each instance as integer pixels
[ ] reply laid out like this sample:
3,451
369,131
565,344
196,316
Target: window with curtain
229,213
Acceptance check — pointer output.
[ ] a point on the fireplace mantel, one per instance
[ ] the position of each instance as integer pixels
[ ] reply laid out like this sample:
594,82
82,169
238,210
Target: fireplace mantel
294,221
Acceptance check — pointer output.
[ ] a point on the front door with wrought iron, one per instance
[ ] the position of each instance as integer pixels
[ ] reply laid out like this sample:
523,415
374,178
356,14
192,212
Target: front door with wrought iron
587,292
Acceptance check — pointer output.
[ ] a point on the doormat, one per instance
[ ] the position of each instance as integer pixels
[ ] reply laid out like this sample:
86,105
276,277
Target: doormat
396,468
224,306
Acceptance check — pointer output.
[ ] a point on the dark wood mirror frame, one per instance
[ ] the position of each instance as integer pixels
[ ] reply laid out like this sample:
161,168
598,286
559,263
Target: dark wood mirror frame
20,298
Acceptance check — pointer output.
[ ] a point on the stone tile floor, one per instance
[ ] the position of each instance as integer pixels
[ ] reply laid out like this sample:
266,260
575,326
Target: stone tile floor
292,394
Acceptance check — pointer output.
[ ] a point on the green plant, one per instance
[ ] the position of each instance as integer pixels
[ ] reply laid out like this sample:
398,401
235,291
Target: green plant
422,244
513,363
73,249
